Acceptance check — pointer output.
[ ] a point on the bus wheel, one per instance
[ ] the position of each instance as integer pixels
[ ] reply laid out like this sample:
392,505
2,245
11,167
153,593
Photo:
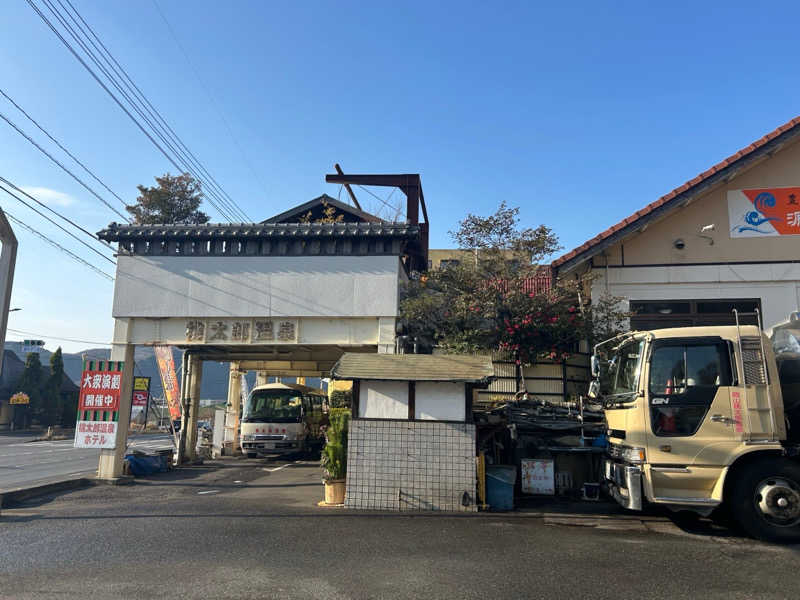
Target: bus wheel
251,455
765,500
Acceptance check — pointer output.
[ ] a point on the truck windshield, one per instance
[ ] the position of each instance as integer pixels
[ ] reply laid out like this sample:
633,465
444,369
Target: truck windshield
625,367
273,406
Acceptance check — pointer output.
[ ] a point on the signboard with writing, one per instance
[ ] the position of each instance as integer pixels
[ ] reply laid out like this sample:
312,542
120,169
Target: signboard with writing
169,380
764,212
98,405
538,476
19,398
141,391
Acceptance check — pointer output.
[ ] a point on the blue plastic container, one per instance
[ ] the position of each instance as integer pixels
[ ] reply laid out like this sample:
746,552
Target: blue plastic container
500,480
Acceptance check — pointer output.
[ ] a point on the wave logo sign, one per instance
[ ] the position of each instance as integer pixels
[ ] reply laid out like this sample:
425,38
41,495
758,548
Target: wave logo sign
764,200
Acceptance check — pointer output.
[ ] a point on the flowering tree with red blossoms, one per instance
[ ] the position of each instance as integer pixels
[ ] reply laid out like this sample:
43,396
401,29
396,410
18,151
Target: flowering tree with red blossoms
486,302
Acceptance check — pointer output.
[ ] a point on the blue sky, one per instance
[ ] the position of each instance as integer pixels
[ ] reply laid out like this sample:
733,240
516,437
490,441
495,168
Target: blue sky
578,113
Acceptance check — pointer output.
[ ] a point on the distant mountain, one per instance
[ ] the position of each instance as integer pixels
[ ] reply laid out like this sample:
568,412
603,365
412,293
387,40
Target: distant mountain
215,374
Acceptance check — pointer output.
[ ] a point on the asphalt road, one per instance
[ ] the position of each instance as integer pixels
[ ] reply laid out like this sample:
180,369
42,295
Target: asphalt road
251,529
25,463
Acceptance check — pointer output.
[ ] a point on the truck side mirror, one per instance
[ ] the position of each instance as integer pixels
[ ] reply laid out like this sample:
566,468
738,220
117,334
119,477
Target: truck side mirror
594,389
595,366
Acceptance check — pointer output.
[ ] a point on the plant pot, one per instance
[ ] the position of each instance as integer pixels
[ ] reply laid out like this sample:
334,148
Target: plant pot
334,491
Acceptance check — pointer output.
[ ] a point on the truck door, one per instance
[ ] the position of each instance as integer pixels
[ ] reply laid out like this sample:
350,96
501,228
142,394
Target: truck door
691,429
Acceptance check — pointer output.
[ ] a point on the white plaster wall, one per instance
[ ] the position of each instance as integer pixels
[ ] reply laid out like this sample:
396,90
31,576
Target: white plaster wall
439,401
268,286
383,400
778,285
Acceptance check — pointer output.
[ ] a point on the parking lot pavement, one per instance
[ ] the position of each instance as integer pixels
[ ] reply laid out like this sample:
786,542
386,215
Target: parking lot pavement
251,528
25,463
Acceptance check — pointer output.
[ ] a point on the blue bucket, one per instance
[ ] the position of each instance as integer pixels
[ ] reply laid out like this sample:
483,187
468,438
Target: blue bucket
500,480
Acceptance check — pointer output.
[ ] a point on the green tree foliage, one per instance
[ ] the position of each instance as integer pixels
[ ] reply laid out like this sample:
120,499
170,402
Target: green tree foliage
609,317
176,199
341,399
51,391
334,454
31,382
487,303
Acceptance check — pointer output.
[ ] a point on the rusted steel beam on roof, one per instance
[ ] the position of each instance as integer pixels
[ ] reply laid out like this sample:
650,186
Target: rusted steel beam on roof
347,187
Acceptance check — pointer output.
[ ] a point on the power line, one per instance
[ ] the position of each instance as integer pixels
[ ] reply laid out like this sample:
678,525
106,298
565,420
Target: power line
59,246
140,104
55,212
41,214
94,75
374,195
54,337
120,72
56,161
57,143
210,95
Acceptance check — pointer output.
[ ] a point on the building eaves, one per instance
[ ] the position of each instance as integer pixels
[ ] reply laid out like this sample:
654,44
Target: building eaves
414,367
702,183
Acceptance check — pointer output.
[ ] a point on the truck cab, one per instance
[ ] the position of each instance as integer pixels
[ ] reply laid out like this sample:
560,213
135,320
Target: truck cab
280,418
696,421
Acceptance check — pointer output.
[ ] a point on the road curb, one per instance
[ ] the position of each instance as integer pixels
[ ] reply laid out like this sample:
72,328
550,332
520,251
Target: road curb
12,497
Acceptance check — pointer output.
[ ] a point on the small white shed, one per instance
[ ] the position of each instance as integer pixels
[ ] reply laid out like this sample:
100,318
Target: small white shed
411,444
414,387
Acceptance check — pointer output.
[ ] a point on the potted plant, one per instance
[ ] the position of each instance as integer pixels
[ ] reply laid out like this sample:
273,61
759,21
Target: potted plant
334,456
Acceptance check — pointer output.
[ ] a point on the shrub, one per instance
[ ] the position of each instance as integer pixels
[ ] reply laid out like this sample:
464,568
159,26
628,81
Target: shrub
334,454
341,399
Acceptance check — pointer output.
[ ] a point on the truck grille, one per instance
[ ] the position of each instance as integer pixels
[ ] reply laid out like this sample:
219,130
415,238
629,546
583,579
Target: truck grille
263,437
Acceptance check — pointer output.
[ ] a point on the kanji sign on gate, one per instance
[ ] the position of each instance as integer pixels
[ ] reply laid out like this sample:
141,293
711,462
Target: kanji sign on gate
98,405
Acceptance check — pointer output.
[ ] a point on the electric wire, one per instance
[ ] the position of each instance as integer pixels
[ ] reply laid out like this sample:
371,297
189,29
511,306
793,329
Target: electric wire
211,96
57,143
61,146
94,75
58,214
41,214
55,337
135,104
59,247
182,150
374,195
63,168
138,92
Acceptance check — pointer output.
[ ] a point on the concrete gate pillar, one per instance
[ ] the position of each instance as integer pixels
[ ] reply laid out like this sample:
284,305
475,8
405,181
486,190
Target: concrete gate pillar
233,410
190,400
110,465
261,378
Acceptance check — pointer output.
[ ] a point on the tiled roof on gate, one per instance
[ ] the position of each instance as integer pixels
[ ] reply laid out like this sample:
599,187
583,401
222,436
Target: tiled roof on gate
117,232
679,191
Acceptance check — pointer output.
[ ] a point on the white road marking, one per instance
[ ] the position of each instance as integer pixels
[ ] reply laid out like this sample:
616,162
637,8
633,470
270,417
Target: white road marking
209,492
276,468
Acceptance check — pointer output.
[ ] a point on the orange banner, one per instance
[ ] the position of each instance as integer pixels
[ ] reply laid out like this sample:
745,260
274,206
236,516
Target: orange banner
169,380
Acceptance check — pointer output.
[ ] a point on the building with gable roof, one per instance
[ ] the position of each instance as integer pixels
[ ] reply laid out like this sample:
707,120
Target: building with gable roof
727,239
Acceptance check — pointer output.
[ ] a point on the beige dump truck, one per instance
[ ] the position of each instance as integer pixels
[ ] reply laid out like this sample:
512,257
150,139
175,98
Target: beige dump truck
705,418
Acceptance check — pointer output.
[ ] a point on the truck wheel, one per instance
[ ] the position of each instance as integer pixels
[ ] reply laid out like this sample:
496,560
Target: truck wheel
765,500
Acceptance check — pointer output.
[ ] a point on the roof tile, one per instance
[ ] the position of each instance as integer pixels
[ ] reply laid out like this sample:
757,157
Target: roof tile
677,191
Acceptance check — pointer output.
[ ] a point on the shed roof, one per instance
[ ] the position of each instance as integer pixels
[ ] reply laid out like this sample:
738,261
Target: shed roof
414,367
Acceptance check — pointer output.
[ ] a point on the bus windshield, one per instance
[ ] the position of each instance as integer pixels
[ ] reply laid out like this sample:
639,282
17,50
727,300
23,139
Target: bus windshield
273,406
